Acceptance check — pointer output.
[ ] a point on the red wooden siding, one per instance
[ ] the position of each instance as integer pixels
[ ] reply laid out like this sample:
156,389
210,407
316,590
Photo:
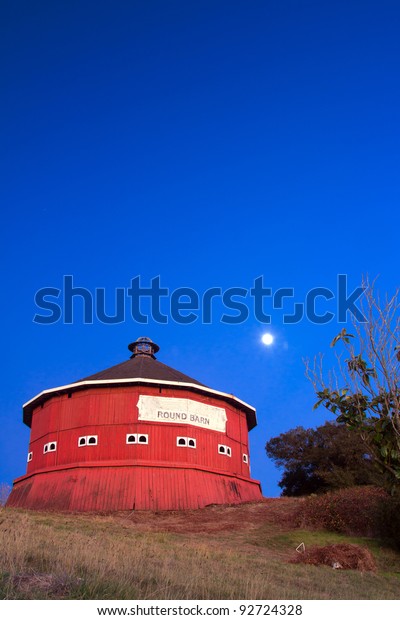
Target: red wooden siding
130,488
114,475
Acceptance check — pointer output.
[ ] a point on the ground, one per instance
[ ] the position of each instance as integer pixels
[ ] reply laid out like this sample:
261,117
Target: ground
221,552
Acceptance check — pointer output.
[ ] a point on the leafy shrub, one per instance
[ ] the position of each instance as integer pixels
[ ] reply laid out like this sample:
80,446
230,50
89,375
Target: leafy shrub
356,511
389,520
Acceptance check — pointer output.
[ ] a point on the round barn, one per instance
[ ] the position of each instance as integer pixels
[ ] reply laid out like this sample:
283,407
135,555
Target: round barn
137,436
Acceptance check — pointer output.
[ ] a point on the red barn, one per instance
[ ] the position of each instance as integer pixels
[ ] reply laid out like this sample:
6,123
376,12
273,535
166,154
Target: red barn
137,436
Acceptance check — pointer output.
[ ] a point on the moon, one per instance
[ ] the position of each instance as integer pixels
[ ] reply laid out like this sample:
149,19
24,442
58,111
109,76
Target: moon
267,339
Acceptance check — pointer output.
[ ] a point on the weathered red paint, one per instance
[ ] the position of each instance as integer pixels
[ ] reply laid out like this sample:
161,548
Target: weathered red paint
114,475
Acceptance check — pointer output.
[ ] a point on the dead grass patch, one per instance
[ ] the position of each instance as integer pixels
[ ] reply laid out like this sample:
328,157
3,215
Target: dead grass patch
43,585
344,556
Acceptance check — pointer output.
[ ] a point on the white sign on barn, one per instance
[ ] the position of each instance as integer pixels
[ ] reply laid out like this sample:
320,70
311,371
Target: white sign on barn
181,411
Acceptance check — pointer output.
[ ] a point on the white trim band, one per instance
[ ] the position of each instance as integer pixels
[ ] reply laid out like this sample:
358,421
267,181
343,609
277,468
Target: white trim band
200,388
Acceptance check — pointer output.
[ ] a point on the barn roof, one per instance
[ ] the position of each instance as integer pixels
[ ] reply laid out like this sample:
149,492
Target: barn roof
141,369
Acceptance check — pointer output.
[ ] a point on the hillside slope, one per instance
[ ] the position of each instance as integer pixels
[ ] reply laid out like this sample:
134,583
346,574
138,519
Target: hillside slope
235,552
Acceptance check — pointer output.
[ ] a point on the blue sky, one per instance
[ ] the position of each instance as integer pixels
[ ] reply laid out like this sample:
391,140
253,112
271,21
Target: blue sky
205,142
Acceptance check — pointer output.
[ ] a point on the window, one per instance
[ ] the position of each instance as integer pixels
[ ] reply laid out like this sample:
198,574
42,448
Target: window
245,458
88,440
30,455
137,438
185,442
226,450
50,447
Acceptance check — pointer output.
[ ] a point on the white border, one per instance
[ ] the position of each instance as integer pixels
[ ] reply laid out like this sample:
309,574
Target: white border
311,609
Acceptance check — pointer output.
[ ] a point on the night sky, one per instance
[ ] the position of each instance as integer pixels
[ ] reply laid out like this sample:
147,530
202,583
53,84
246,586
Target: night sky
208,143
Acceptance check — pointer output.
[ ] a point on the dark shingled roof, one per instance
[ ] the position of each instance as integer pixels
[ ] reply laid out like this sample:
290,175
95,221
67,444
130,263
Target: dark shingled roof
142,367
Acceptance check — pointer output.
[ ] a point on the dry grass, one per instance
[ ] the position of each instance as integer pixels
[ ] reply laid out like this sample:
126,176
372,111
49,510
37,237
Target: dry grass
344,556
240,553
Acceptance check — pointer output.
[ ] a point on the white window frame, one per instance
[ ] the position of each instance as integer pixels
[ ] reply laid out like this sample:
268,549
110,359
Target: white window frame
186,444
245,458
30,457
227,450
47,449
137,437
86,438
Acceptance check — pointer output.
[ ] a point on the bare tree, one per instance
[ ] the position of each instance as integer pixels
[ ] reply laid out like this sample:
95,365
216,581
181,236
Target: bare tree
363,389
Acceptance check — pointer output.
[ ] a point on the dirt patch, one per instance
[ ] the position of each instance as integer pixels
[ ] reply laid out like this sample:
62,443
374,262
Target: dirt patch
341,556
279,511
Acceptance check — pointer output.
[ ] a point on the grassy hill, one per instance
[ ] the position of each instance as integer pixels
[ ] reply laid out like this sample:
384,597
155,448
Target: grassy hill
239,552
